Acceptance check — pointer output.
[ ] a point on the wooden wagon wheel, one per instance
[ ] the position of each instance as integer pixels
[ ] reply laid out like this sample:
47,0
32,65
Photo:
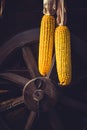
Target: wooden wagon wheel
37,92
33,85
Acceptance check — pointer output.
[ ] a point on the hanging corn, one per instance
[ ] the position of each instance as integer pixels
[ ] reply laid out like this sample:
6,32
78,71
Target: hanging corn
63,48
46,37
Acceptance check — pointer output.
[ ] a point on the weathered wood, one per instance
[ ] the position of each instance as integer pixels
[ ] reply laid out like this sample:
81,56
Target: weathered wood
55,121
21,40
20,80
11,103
30,120
40,93
4,91
30,62
18,41
32,36
17,70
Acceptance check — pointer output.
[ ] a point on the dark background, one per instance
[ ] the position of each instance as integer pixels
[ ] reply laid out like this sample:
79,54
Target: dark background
20,15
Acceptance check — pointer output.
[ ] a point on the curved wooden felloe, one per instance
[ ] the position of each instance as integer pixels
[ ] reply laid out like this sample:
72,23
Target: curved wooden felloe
18,41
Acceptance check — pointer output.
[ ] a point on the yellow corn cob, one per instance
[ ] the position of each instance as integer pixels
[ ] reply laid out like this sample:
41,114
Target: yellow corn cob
46,43
63,54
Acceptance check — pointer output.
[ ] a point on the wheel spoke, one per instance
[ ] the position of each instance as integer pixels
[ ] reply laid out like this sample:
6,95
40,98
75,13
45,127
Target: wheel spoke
4,91
30,62
54,121
11,103
30,120
20,80
51,70
18,41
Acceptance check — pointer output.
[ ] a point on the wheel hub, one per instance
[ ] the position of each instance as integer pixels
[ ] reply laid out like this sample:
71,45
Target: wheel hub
40,94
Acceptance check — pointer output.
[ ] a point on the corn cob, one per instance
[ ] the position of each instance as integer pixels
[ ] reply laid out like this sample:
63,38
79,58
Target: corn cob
46,43
63,54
